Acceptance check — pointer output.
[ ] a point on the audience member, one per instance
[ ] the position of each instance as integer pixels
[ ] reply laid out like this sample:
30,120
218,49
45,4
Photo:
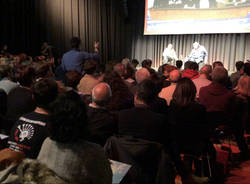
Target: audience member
141,75
135,63
247,68
189,118
102,123
43,70
167,92
140,121
121,98
146,63
236,76
74,59
203,79
73,78
20,100
88,81
191,70
120,69
179,64
29,132
66,152
6,83
217,63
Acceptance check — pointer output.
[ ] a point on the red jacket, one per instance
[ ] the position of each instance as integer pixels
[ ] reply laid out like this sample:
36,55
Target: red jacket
189,73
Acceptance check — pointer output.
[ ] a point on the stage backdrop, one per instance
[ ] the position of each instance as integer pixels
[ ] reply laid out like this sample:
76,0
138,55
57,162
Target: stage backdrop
25,24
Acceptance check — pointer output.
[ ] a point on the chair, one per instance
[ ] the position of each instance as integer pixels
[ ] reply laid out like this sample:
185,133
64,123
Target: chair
150,163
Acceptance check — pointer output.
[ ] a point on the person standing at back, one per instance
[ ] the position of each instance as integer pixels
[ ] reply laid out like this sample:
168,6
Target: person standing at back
74,59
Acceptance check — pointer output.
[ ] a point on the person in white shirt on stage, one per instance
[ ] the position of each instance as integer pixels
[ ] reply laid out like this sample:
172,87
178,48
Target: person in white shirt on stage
198,54
169,55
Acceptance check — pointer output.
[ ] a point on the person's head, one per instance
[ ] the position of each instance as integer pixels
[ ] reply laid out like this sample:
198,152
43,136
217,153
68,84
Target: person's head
125,62
68,118
206,70
170,46
217,63
179,64
187,65
167,69
120,69
25,75
101,94
146,63
4,71
130,72
196,45
247,68
243,86
134,62
72,78
141,75
43,70
220,75
194,66
239,65
44,92
174,76
184,93
90,66
145,92
75,42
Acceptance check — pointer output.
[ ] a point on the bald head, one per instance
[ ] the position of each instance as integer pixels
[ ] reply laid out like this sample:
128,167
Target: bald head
141,75
101,93
174,75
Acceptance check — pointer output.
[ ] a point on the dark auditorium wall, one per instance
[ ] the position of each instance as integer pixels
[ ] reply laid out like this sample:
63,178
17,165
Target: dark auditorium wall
25,24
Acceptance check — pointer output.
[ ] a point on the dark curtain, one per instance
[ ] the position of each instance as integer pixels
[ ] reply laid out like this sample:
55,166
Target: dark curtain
25,24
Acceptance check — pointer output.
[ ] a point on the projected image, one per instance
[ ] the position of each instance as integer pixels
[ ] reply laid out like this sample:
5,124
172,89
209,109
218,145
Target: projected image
197,16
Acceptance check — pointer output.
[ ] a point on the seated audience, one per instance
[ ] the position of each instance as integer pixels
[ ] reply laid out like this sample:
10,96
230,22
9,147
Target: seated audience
191,71
66,152
29,132
6,83
134,63
140,121
43,70
179,64
102,123
146,63
88,81
189,119
20,100
140,75
167,92
121,98
217,63
203,79
73,78
247,69
236,76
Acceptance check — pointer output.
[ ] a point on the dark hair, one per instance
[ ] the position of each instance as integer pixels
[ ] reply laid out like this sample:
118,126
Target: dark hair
217,63
247,69
75,42
42,70
45,92
239,65
120,91
130,72
179,64
4,71
68,118
90,66
184,93
194,66
73,78
146,63
187,64
146,91
134,62
25,75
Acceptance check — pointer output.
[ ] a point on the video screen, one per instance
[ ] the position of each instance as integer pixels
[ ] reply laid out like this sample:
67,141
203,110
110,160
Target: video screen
196,16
